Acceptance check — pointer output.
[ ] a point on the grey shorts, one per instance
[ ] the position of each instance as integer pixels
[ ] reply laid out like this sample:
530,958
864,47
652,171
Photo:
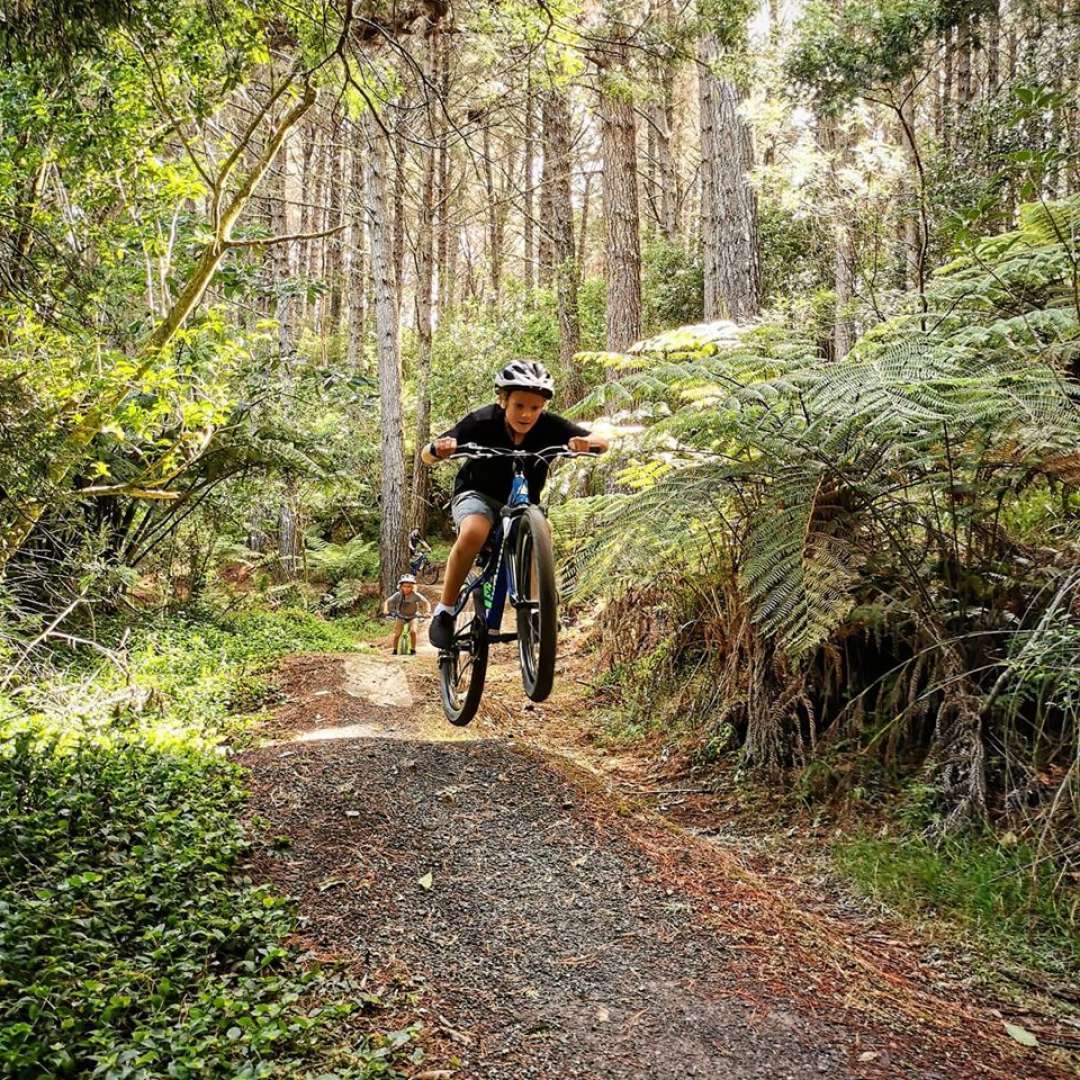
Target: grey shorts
474,502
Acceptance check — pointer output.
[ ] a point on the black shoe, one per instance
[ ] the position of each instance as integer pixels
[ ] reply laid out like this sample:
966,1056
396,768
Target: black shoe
441,630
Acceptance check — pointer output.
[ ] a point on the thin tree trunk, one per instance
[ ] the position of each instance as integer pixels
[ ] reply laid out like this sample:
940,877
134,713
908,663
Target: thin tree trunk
494,246
307,135
398,237
318,219
338,164
357,292
993,50
947,92
622,249
556,126
392,534
911,194
546,253
286,258
669,181
836,142
729,204
583,227
963,65
528,264
421,476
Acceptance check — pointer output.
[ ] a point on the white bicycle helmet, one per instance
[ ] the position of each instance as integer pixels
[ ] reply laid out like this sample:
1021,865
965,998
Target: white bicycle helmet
526,375
406,579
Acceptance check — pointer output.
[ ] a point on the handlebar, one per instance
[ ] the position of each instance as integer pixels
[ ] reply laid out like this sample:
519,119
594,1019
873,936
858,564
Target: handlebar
474,451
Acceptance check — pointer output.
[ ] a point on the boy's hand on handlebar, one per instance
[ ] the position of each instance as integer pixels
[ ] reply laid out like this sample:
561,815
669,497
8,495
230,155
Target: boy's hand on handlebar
443,448
586,444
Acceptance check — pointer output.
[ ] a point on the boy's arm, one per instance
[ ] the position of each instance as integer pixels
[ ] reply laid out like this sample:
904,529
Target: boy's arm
437,449
425,603
588,444
447,442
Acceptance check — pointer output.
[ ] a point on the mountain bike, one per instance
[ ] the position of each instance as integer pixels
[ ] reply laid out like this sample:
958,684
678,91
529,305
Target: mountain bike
516,564
423,569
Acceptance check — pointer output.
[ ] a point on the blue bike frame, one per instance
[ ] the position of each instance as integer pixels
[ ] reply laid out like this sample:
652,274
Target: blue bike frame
499,569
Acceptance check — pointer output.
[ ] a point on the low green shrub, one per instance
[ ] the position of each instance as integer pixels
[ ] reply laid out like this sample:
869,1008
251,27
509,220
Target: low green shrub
998,889
131,945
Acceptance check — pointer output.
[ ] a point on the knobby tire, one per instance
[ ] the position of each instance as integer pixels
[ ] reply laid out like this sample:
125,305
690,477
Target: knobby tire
537,628
460,703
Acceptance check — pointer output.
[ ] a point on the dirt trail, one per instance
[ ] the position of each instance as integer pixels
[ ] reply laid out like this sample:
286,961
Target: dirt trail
551,931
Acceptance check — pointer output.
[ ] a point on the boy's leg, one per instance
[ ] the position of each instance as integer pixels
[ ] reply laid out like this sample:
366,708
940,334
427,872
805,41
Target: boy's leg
398,627
472,533
474,516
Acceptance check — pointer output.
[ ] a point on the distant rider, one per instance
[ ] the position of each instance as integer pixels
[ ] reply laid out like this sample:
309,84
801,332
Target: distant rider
405,605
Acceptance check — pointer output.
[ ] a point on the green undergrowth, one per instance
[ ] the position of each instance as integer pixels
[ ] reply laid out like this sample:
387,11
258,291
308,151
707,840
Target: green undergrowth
131,943
995,891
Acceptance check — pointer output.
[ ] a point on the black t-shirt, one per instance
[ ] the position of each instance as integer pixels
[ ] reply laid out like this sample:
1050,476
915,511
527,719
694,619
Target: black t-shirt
495,476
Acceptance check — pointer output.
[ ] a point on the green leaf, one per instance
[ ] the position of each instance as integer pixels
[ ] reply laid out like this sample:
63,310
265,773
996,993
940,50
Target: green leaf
1021,1035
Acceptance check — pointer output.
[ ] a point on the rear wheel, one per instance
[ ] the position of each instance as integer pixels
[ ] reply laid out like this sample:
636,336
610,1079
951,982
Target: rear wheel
537,607
463,667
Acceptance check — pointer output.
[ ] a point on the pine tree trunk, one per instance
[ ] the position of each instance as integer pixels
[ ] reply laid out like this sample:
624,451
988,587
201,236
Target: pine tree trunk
993,50
669,181
421,475
836,142
357,292
947,92
338,164
398,236
622,249
729,204
528,263
306,209
443,258
503,195
963,65
392,532
556,134
546,246
286,257
911,197
315,248
583,226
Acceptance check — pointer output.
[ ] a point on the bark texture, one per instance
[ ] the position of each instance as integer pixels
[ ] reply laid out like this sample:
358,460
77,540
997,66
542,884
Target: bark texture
729,223
556,126
392,531
622,249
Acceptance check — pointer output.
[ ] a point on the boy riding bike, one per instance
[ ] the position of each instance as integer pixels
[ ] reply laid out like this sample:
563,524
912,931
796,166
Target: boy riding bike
405,605
517,421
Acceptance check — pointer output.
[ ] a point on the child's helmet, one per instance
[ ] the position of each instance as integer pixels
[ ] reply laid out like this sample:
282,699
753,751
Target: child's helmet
406,579
526,375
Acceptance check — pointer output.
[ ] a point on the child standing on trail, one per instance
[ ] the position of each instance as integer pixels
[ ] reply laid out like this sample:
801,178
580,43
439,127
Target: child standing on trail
517,421
405,605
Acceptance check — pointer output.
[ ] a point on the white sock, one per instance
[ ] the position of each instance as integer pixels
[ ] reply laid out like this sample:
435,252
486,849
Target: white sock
440,606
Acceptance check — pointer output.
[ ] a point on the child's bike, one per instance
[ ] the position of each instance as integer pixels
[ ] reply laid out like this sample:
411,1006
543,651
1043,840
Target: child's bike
518,564
404,643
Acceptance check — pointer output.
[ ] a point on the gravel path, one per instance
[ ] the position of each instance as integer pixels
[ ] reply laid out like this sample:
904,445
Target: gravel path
545,940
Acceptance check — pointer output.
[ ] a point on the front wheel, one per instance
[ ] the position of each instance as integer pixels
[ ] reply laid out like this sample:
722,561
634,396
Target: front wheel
428,573
537,603
463,667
